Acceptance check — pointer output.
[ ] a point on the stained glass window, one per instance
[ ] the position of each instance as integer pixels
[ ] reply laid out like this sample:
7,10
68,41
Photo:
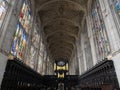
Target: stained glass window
25,16
3,10
34,48
32,56
35,38
115,10
41,57
117,7
99,32
19,42
20,39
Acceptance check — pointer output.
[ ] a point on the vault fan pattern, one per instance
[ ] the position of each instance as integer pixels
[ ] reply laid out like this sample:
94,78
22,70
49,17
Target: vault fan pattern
61,21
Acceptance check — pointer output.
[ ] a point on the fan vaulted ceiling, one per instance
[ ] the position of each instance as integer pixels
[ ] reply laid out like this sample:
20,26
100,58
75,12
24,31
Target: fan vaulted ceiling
61,21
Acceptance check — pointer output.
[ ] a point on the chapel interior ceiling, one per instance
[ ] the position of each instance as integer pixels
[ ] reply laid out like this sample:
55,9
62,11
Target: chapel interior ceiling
61,21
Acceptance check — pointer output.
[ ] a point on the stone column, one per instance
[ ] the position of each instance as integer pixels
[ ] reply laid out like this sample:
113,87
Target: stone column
90,36
78,55
83,51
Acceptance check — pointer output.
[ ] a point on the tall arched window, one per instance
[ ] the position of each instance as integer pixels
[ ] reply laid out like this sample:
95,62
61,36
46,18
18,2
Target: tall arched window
20,39
115,10
34,48
4,4
99,32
